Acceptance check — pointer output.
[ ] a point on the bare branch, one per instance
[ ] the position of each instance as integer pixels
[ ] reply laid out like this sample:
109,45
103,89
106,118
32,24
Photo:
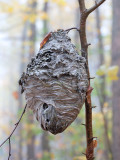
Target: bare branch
91,77
84,51
83,124
95,6
9,149
72,29
9,138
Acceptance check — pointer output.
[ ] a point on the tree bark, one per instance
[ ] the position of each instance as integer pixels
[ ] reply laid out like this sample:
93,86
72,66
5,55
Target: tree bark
116,84
88,106
84,50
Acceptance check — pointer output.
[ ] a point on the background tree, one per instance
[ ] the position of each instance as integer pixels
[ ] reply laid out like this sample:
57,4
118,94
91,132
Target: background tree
116,86
101,89
31,41
20,100
45,136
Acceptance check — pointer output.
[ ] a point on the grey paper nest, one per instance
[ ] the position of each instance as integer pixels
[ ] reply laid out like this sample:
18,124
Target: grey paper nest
55,83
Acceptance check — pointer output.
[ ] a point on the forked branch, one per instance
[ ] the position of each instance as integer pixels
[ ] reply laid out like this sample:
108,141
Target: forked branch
97,4
88,11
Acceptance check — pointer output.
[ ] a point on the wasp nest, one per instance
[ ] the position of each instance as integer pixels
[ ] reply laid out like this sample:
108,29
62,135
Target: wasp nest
55,83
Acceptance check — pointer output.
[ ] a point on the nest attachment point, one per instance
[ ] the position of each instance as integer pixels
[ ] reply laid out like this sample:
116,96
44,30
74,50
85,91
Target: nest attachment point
55,83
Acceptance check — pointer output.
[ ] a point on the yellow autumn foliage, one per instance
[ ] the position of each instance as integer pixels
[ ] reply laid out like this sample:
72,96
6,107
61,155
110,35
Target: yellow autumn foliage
25,17
37,142
52,156
44,16
101,71
72,130
46,1
29,32
60,2
79,158
106,104
110,71
32,18
10,10
113,73
28,126
98,116
6,129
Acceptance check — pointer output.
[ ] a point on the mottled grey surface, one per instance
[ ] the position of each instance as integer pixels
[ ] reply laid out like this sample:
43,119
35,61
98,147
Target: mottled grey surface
55,83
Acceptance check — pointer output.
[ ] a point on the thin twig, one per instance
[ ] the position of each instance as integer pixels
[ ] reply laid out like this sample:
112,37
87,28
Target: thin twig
95,6
72,29
9,138
94,107
9,149
92,78
83,124
84,154
94,137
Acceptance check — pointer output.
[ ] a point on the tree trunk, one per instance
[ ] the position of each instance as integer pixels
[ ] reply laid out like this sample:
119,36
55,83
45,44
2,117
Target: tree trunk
45,141
31,39
116,84
20,100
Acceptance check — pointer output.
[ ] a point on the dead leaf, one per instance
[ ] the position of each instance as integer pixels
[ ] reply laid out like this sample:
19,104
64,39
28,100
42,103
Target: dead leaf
45,40
94,143
15,95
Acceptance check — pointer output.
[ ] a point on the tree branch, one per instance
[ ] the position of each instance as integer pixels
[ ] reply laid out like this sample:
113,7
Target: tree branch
72,29
95,6
9,149
84,51
9,138
82,5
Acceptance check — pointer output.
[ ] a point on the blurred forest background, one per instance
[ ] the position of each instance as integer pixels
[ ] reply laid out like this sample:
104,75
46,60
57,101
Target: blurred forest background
23,25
